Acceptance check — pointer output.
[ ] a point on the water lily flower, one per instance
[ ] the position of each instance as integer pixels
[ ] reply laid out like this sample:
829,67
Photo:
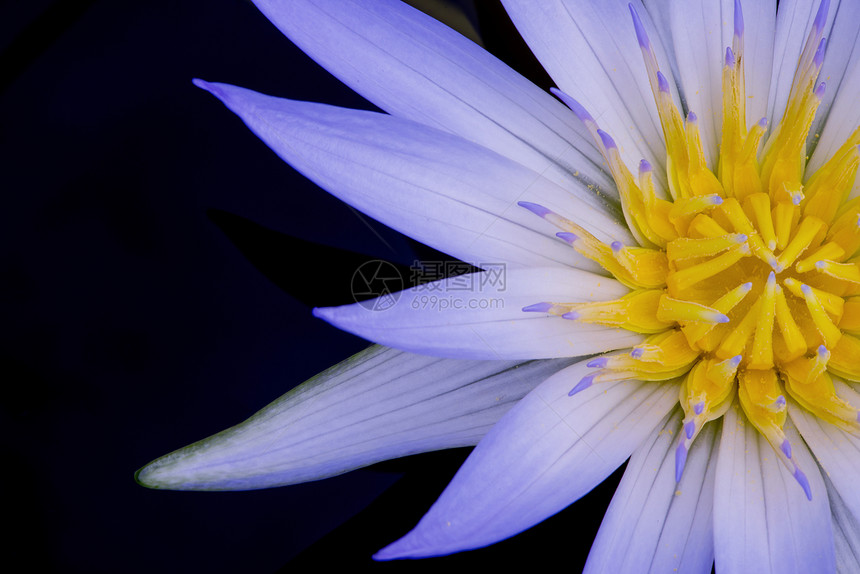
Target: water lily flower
679,225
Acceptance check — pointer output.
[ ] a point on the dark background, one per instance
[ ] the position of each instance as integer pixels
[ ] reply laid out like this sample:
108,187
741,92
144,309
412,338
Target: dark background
158,265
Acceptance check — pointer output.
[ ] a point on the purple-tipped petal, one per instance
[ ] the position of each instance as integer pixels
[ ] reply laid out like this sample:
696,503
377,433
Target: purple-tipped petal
535,208
730,58
538,308
692,117
739,19
786,448
641,35
821,15
583,384
662,83
567,236
803,482
607,140
690,428
699,408
574,106
645,166
598,362
820,89
820,52
571,316
680,460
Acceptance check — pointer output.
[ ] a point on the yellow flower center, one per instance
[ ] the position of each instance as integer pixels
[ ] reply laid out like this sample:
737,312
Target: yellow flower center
747,280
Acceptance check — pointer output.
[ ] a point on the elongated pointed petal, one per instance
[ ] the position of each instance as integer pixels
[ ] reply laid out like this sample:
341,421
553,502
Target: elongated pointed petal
545,453
438,188
591,51
763,522
837,451
416,68
481,316
653,523
379,404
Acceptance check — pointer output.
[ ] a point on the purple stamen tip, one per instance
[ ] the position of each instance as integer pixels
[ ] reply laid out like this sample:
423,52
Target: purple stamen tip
574,106
822,351
819,53
637,353
583,384
538,210
762,123
785,447
640,29
598,362
821,16
739,19
730,58
819,91
721,318
771,278
716,200
644,166
538,308
736,360
747,286
616,246
796,199
690,428
699,407
780,403
692,118
572,316
804,482
607,140
858,416
662,83
741,238
820,265
680,461
567,236
806,289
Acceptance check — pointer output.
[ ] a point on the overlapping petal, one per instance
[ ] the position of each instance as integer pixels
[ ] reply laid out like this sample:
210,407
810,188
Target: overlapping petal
416,68
762,520
653,523
480,316
548,451
438,188
379,404
578,43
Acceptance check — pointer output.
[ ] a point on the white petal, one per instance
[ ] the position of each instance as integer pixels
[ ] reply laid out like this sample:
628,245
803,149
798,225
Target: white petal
837,451
544,454
377,405
591,51
763,521
841,71
438,188
480,316
414,67
846,533
653,523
